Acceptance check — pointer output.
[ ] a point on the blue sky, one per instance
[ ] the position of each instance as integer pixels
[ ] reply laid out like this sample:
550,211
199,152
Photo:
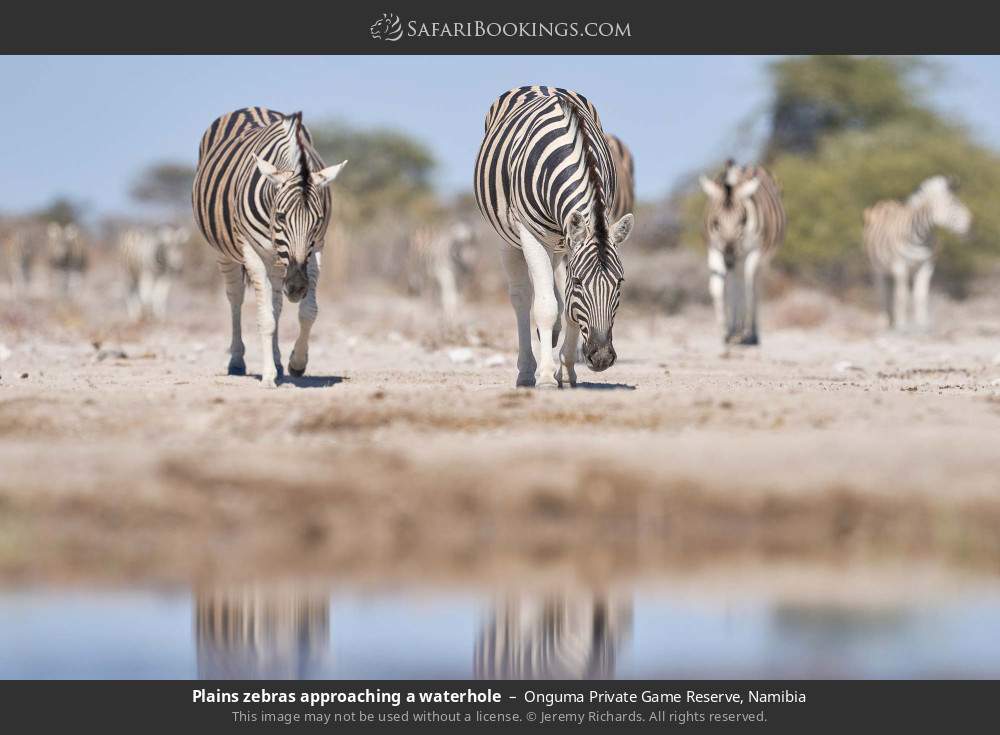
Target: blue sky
84,126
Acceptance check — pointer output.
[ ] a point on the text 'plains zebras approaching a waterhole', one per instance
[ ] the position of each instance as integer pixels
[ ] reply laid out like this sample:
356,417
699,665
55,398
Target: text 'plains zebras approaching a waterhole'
744,225
899,239
261,200
546,181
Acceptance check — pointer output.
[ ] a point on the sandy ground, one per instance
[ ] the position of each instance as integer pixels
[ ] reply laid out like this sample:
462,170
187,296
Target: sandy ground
126,453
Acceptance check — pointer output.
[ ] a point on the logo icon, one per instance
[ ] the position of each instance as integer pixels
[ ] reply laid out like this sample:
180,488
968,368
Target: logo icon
387,28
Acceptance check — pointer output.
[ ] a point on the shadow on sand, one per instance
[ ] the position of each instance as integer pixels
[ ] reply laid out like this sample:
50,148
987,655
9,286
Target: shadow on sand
307,381
604,386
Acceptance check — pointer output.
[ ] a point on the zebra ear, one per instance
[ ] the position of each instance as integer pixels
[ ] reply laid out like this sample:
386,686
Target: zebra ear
327,175
622,229
747,188
271,172
712,189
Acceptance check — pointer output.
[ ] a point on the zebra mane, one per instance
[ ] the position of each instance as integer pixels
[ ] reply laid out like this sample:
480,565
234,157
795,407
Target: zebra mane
592,168
300,141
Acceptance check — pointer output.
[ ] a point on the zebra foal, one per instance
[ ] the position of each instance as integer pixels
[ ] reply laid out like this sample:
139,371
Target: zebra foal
261,200
744,225
546,182
899,240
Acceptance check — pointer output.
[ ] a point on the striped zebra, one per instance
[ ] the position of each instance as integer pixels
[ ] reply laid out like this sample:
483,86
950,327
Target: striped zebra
24,243
625,165
439,261
546,181
260,199
744,225
251,632
152,258
899,239
552,637
67,256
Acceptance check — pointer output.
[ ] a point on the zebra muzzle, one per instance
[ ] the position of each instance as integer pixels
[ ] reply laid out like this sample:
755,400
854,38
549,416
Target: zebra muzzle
296,282
599,354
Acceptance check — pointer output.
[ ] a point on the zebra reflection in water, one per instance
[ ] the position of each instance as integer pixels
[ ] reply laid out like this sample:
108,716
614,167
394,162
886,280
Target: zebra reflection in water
553,637
256,633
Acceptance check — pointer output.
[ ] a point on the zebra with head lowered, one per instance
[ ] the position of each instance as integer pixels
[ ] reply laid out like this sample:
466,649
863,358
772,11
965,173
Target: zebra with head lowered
151,258
899,239
744,225
545,180
261,201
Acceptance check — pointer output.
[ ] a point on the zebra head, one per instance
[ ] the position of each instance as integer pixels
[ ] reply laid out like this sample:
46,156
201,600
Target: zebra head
298,217
938,194
594,276
728,217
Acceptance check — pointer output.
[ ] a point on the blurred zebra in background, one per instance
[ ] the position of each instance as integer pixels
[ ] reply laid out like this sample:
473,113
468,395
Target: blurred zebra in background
440,261
744,226
546,181
67,256
899,240
255,633
23,243
552,637
625,165
152,257
261,200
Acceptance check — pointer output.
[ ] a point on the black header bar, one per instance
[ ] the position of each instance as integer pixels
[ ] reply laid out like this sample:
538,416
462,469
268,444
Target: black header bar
435,27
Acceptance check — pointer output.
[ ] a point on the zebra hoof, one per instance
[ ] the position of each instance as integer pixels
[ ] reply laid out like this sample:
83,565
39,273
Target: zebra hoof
296,372
749,340
237,368
525,382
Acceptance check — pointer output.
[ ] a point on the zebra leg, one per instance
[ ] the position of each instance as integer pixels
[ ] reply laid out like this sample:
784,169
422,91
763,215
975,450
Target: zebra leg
161,290
133,302
751,270
883,283
734,302
717,287
559,281
277,279
519,286
448,290
232,274
261,280
307,315
544,307
901,295
569,353
921,295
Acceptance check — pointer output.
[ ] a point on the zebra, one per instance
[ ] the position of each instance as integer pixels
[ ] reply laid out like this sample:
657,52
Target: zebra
546,181
901,247
625,165
439,259
67,255
552,637
249,632
24,242
744,225
260,198
151,258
